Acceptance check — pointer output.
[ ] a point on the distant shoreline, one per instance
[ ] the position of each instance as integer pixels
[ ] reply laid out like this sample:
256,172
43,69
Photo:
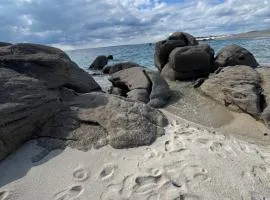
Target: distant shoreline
247,35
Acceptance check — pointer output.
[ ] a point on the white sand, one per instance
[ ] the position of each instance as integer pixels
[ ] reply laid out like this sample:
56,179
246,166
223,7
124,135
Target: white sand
189,162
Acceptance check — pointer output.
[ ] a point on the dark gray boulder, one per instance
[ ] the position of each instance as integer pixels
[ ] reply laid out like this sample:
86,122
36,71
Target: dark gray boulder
118,67
232,55
186,37
160,91
236,87
163,50
99,63
189,62
104,119
165,47
48,64
25,105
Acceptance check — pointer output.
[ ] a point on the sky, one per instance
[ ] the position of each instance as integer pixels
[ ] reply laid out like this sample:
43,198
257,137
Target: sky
72,24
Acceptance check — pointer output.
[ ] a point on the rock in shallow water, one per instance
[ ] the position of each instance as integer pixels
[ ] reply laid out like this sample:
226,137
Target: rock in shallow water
99,63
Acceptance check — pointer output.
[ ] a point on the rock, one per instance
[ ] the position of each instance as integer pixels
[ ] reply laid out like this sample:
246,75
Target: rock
198,82
165,47
187,38
110,57
130,79
47,64
160,91
25,105
139,94
118,91
163,50
189,62
237,87
99,63
29,49
265,96
136,84
133,80
232,55
104,119
118,67
3,44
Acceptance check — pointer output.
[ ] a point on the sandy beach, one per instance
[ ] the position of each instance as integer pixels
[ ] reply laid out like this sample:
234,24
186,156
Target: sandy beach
188,162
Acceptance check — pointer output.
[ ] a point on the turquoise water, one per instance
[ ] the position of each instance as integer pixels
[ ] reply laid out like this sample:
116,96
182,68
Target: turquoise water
143,54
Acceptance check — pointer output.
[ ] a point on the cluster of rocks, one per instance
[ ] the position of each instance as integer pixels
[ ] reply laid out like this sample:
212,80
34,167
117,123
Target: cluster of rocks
133,81
46,96
233,77
181,57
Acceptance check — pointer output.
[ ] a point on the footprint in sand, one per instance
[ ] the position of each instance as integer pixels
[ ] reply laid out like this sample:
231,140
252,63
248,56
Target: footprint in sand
146,184
80,174
195,174
70,193
107,172
4,195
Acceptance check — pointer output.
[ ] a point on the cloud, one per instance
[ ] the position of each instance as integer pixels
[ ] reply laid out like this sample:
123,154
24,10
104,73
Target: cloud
90,23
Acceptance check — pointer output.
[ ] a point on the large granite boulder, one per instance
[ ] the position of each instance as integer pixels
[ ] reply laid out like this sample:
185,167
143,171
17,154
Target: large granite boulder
133,80
25,105
103,119
48,64
236,87
232,55
265,97
189,62
118,67
165,47
99,63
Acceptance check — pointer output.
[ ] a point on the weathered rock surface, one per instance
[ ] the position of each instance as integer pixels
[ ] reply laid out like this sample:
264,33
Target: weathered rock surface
165,47
95,119
232,55
118,67
48,64
189,62
160,91
25,105
99,63
265,85
237,87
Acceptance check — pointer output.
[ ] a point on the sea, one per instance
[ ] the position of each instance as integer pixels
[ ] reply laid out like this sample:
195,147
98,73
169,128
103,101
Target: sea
143,54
